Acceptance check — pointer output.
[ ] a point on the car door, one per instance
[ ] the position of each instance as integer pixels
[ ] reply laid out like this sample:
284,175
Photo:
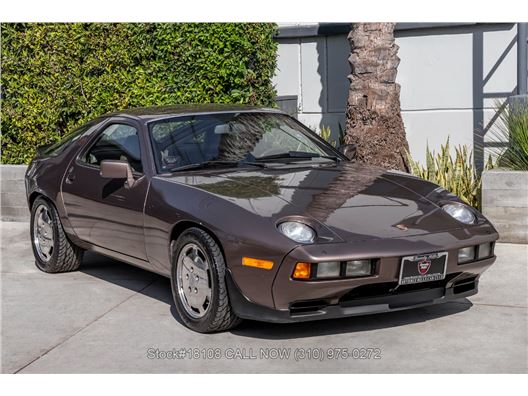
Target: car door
106,212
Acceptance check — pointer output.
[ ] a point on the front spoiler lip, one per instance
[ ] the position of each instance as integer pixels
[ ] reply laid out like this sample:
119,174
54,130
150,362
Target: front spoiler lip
246,309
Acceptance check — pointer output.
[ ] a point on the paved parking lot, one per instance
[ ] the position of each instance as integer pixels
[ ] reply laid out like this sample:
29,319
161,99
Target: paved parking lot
111,317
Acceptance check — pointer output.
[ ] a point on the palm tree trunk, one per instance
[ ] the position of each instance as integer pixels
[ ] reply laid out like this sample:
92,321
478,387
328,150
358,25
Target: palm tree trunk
374,120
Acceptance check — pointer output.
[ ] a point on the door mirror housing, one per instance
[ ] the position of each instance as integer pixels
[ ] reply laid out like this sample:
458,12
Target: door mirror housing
349,151
113,169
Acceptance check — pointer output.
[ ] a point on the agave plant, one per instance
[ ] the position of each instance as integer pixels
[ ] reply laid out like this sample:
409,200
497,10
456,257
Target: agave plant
511,132
457,174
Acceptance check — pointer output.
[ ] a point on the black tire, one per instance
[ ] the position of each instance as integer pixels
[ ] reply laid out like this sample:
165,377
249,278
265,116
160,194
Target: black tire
219,315
64,256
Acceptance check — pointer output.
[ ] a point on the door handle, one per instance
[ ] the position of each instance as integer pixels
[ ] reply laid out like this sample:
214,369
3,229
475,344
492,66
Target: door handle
70,176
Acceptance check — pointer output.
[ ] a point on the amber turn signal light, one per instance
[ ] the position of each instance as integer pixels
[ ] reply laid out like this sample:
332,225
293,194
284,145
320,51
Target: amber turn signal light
257,263
302,271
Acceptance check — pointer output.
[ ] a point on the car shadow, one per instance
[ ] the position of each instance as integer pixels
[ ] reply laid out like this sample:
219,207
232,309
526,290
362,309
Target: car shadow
127,276
158,287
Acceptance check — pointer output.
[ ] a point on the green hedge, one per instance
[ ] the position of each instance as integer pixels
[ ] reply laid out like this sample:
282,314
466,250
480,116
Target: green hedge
57,76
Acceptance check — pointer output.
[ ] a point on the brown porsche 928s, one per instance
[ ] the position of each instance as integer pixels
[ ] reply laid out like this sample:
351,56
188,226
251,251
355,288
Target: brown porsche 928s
251,215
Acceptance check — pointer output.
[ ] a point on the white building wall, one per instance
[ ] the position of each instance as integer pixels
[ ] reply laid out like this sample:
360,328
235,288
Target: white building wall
451,79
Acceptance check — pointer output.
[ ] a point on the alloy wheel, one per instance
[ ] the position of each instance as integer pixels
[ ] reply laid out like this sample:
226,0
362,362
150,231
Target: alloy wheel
194,280
43,233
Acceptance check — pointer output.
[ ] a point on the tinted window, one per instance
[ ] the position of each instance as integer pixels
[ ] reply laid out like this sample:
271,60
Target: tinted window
229,137
117,142
67,140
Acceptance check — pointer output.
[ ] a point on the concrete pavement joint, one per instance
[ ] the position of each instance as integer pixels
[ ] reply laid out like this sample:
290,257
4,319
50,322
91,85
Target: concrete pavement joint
501,306
84,327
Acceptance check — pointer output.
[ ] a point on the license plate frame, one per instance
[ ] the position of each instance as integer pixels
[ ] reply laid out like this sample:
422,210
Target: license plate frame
408,276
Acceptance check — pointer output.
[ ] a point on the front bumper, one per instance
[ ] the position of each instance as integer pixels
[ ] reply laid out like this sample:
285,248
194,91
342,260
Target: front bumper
385,300
286,290
296,300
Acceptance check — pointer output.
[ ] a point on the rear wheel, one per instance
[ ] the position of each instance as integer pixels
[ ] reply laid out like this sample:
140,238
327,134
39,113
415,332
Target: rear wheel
52,249
198,283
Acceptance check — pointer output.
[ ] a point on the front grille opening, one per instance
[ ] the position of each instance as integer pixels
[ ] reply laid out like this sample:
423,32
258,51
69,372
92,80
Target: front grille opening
300,307
392,288
464,285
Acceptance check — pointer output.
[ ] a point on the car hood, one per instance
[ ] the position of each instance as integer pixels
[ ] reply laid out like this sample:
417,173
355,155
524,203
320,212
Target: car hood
353,201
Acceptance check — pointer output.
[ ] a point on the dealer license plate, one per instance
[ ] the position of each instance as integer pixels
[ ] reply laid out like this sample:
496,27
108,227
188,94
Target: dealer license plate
423,268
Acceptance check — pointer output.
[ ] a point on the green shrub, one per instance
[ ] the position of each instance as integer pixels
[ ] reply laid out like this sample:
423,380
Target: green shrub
57,76
457,175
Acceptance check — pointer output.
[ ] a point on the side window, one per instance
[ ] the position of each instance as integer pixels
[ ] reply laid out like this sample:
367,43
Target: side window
68,140
117,142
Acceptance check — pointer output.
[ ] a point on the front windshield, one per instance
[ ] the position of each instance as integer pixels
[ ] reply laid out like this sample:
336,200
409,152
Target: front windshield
223,137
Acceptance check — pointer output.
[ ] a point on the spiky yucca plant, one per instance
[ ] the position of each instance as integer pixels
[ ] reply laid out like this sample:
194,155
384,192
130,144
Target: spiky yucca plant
457,175
512,133
326,134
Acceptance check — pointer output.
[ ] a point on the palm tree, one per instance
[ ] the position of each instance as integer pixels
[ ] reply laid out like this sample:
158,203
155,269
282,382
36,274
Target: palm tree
374,120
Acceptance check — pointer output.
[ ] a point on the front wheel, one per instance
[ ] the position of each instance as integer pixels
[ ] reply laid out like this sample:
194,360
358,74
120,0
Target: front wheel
53,251
198,283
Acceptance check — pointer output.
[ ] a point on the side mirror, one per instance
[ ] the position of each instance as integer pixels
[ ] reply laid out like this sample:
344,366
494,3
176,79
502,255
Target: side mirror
113,169
348,150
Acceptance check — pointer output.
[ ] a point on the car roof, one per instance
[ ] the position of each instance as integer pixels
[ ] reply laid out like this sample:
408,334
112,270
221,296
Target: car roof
160,112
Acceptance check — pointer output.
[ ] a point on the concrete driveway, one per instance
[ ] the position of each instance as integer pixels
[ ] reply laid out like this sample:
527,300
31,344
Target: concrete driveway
111,317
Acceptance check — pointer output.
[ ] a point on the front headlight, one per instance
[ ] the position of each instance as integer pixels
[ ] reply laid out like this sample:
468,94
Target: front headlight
460,212
299,232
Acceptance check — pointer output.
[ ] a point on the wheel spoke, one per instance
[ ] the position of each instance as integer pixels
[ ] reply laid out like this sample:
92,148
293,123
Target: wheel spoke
48,230
188,263
201,269
201,310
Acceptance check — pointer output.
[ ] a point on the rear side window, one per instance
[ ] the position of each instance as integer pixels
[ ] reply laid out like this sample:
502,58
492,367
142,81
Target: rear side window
69,139
116,142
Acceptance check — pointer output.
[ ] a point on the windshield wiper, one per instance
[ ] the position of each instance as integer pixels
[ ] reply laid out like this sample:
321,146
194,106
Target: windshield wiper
217,163
296,155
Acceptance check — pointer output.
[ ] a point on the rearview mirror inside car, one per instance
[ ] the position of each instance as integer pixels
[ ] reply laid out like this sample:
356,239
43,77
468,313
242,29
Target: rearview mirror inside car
113,169
348,150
